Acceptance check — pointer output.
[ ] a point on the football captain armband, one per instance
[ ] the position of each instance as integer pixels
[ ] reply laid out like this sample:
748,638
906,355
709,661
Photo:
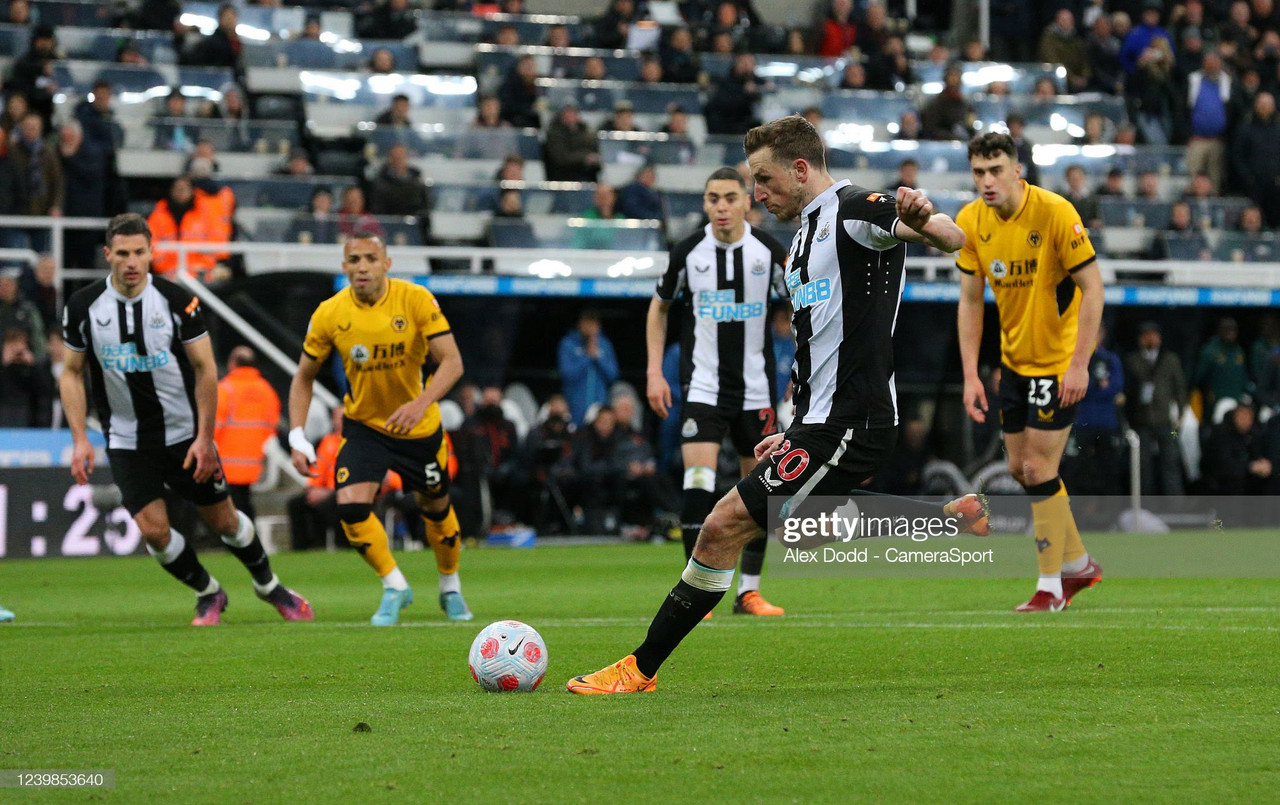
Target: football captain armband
298,441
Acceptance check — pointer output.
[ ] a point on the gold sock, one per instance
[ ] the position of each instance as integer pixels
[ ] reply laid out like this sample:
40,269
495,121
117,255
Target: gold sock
1050,512
1075,546
444,537
370,539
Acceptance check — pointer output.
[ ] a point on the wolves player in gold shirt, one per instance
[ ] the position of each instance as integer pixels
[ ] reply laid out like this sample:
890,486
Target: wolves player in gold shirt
383,330
1031,246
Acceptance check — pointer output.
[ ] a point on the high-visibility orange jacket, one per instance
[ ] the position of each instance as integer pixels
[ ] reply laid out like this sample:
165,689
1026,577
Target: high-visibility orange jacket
248,415
209,219
326,462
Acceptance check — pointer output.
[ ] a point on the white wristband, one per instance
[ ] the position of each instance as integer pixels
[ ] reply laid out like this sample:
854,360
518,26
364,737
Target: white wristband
298,441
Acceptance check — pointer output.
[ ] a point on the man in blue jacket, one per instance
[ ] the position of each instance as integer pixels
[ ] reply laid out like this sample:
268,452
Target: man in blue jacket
1097,432
588,365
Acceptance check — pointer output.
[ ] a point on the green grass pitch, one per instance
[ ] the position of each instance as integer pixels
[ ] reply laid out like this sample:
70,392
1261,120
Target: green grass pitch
868,690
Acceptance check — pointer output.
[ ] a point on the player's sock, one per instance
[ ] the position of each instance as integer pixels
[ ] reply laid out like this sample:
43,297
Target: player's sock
1072,566
444,537
180,561
752,564
245,546
365,533
699,590
450,583
1050,511
395,580
1074,553
698,498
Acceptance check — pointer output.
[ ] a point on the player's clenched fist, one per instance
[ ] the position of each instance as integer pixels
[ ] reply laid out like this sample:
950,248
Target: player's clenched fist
914,207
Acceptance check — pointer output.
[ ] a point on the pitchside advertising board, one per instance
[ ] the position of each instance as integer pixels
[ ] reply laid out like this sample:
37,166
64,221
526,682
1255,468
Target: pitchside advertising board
43,512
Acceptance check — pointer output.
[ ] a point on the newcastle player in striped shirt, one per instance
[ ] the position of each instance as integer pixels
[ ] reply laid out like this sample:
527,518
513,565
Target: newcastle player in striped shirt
155,388
724,275
845,274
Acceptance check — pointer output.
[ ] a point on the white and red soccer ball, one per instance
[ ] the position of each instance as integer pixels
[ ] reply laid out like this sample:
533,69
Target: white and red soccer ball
508,656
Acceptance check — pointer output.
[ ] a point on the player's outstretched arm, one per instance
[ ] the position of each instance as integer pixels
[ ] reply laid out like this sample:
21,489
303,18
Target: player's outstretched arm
657,390
444,348
918,222
1076,381
969,324
75,407
301,451
203,454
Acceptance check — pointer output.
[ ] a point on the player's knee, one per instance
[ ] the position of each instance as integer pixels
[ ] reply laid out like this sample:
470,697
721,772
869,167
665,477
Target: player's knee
433,508
700,478
156,538
1034,472
354,513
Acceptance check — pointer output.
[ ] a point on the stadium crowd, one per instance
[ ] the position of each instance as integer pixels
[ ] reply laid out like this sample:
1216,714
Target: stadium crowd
1200,76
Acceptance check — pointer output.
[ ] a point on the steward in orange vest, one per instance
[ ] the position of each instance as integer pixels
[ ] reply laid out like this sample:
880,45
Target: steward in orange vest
248,415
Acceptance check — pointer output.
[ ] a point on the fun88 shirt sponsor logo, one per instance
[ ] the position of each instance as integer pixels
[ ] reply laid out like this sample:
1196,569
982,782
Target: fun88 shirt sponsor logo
808,293
723,306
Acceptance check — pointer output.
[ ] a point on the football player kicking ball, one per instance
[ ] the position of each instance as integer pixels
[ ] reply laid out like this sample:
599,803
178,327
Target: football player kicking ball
845,273
384,330
726,274
1031,246
155,387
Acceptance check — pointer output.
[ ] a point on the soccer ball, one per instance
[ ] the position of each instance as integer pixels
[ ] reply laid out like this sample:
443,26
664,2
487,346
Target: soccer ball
507,656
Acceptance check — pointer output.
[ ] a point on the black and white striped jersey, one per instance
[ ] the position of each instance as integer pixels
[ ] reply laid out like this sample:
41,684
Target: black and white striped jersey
726,352
142,382
845,274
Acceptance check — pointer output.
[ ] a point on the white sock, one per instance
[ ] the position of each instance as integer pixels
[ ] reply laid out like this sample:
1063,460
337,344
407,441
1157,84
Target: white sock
265,589
710,579
747,583
1050,584
244,532
213,587
395,580
171,551
1076,565
450,583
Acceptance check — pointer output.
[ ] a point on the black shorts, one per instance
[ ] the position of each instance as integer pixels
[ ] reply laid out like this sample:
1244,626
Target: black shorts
816,460
1032,402
707,423
366,455
142,476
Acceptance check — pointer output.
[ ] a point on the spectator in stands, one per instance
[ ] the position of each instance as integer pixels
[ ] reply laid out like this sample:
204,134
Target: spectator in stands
940,55
731,109
1013,33
1103,51
512,169
297,163
890,68
1244,91
558,36
510,204
873,30
1081,197
86,175
397,114
908,174
1191,17
588,365
129,53
1222,371
489,447
19,12
646,492
488,113
680,64
316,224
571,152
170,135
398,190
796,43
98,118
15,108
311,28
1095,130
640,197
855,75
507,36
1251,222
599,475
1189,55
1153,101
730,19
313,515
1095,468
248,414
973,51
223,47
159,15
1155,395
813,114
677,121
1121,25
1233,461
40,287
593,69
1256,153
38,165
1143,36
624,118
839,29
948,116
1017,125
908,126
722,43
388,19
32,73
1180,239
19,313
352,216
519,94
190,214
546,460
12,196
650,69
1149,185
1208,93
1238,36
233,110
1126,135
1264,362
382,62
612,28
26,383
1061,44
604,207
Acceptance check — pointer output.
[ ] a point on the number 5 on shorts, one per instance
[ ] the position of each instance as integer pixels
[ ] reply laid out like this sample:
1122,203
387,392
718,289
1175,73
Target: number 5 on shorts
432,473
